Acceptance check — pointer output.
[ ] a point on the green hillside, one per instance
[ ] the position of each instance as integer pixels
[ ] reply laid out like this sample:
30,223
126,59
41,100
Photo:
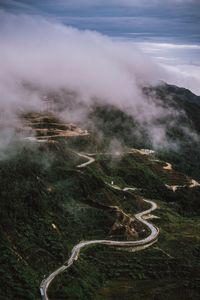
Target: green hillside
48,205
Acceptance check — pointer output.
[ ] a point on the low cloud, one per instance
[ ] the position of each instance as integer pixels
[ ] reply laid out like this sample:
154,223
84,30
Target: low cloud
180,60
39,57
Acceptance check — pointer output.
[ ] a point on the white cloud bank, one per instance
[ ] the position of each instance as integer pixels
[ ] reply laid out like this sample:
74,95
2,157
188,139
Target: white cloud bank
180,60
39,55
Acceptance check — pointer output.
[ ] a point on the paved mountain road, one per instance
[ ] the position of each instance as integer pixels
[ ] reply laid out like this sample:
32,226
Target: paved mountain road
136,245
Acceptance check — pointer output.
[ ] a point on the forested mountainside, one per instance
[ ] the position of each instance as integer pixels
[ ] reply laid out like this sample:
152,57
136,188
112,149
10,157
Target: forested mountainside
64,184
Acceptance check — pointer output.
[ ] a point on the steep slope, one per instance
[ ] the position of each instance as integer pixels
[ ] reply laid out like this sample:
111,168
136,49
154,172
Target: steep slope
48,205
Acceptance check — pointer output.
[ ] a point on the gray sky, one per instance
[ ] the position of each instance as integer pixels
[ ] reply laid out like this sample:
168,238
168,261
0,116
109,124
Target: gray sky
38,49
167,20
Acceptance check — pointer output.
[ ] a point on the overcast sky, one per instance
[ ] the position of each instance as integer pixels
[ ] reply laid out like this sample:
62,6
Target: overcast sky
168,30
35,48
166,20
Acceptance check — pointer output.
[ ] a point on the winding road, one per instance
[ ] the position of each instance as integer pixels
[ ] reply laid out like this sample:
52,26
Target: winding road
90,160
136,245
142,217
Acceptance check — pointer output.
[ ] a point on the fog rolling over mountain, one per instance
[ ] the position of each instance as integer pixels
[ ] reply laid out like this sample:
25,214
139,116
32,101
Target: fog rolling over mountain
40,56
99,150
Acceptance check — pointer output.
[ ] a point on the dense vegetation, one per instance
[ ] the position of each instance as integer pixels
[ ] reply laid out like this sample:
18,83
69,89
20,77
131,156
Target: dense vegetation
47,205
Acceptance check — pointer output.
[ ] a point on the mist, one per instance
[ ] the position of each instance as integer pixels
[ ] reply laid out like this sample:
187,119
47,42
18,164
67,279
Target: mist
39,56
